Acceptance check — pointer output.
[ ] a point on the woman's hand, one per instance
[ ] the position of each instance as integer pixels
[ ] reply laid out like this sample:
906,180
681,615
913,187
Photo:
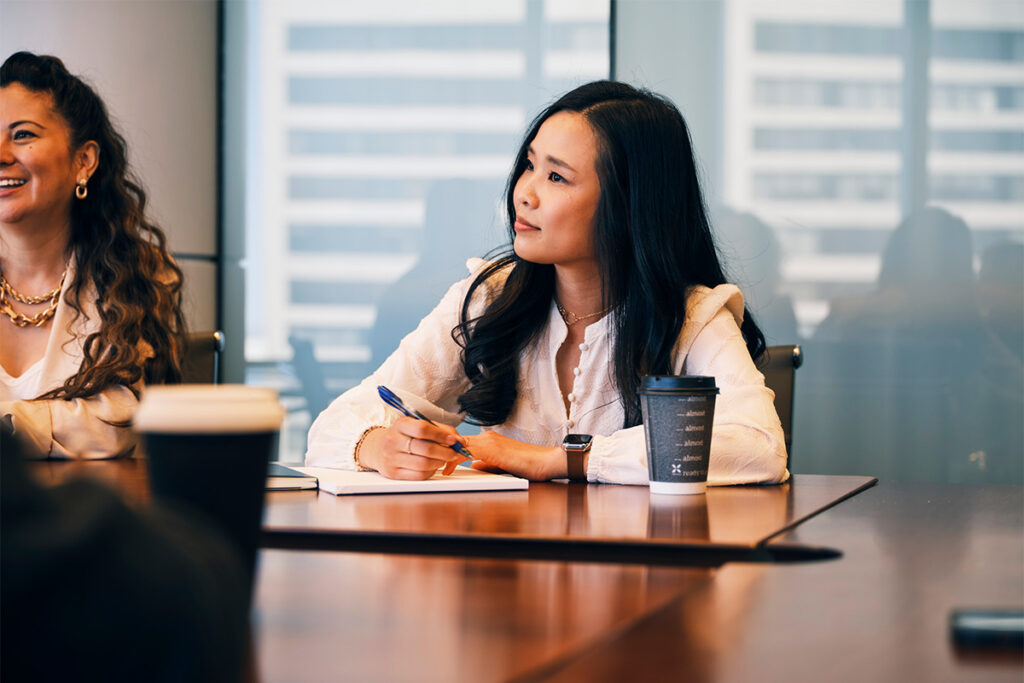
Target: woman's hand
410,449
497,453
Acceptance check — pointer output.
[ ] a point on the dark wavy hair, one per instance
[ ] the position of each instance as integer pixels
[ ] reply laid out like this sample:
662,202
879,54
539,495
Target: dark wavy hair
653,244
116,248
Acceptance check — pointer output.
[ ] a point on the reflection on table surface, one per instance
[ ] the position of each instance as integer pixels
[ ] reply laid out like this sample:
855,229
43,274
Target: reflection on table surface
742,515
364,617
735,515
911,554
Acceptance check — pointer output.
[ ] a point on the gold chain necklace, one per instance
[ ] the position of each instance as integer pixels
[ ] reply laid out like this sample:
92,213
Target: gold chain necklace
20,319
571,318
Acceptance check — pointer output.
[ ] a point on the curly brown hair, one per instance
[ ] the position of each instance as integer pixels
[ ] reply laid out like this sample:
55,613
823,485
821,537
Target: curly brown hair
116,249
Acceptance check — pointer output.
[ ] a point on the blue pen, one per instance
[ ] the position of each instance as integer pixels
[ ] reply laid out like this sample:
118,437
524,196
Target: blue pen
392,400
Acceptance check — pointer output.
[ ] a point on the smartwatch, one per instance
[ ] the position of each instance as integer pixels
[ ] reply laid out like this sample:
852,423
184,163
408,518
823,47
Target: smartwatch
576,447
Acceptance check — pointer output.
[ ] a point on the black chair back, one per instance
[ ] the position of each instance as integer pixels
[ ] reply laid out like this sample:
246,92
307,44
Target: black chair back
202,358
778,365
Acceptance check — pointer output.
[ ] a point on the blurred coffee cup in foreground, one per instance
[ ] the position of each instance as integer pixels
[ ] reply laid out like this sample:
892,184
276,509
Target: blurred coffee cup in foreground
208,447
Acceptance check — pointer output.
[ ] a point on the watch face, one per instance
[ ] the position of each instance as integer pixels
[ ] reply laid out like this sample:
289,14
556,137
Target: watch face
577,440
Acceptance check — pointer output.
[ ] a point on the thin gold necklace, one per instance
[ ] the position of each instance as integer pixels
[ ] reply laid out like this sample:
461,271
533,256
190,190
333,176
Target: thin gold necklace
571,318
20,319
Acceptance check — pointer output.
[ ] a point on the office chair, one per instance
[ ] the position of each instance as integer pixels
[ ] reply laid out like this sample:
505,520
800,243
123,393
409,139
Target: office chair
779,365
202,358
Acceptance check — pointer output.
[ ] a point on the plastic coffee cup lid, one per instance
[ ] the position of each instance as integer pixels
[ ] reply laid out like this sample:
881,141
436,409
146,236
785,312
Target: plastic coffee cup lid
674,383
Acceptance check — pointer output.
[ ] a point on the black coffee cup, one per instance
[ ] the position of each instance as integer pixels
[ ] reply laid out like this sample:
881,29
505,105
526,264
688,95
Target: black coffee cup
208,447
678,415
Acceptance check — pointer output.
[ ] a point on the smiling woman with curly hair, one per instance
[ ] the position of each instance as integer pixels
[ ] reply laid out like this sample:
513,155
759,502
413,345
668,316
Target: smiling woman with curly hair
90,299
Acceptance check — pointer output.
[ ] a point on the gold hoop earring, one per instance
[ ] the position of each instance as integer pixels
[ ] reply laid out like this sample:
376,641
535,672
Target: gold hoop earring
81,191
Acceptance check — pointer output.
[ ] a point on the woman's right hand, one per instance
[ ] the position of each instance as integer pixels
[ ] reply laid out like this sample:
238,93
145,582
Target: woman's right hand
410,449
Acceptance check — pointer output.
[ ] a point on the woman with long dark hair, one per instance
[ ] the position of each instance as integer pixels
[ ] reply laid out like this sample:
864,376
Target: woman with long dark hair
613,275
90,299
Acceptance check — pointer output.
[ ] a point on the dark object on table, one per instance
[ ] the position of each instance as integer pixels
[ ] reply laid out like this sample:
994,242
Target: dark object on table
283,478
988,628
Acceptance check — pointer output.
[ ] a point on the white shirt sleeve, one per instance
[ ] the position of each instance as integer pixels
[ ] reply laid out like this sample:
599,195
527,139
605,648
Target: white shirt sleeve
747,444
426,364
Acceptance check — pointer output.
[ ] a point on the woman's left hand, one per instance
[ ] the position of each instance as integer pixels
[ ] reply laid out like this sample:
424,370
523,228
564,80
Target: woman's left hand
495,452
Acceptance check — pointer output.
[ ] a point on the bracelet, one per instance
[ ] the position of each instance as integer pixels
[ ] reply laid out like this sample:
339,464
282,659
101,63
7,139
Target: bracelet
355,451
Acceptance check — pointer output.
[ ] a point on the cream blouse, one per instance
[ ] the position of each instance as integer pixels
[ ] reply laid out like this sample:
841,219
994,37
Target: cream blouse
747,443
81,427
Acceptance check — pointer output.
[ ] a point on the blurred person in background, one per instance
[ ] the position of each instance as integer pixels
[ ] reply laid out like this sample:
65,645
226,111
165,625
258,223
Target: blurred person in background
1001,289
913,359
753,259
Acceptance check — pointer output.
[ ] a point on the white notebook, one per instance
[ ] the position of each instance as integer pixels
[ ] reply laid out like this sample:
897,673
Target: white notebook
345,482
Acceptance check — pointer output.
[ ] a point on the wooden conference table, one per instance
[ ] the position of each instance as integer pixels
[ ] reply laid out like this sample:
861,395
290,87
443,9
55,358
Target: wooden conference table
876,613
561,521
910,554
548,521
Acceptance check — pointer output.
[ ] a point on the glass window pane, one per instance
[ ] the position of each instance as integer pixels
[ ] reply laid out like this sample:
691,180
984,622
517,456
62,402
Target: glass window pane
381,135
911,317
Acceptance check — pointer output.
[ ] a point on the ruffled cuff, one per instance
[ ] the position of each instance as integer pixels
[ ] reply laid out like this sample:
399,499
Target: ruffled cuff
620,458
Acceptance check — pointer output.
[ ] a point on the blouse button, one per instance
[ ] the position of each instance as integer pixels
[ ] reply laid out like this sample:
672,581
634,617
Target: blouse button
570,424
576,371
572,398
584,346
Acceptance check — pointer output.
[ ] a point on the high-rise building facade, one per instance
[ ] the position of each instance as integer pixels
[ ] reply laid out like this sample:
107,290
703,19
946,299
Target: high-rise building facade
815,138
359,114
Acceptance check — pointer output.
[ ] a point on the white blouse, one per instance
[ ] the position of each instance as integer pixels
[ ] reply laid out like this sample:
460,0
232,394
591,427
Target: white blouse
747,443
23,387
